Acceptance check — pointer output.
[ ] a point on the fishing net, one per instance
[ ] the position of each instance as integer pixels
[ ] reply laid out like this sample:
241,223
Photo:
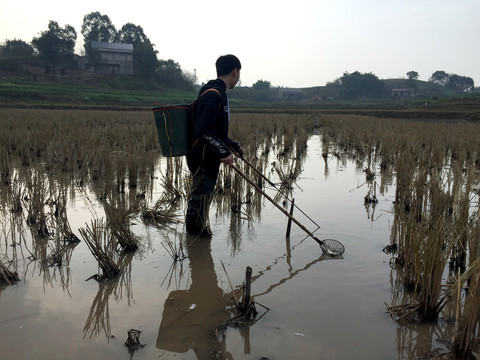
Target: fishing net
332,247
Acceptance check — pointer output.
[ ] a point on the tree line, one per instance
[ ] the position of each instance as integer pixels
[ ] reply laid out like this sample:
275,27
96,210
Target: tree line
455,82
55,48
354,85
351,86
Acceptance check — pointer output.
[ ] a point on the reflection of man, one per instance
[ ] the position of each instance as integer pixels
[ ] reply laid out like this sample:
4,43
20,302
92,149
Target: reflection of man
190,316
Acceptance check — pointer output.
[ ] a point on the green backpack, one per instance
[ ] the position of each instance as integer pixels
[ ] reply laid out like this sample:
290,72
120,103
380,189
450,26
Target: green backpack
174,127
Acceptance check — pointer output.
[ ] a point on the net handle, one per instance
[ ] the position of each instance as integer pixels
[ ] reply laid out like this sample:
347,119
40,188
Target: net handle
326,248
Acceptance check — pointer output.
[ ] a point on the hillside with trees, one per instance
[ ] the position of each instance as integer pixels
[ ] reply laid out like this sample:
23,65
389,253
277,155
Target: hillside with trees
52,53
49,59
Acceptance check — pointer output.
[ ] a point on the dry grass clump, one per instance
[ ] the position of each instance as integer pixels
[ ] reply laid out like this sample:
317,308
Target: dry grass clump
14,196
76,142
160,215
466,340
235,198
60,215
115,153
236,193
287,173
46,155
103,247
435,166
35,201
261,133
431,222
5,166
119,218
61,251
165,210
268,139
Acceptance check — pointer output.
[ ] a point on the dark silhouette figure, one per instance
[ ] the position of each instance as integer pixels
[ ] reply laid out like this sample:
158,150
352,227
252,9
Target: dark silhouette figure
190,316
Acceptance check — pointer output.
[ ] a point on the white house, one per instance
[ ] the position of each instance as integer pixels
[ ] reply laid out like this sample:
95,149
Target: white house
114,58
403,92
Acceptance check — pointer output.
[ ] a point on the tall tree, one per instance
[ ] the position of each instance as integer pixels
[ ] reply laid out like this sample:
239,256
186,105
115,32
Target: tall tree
56,44
97,27
16,49
170,74
144,56
357,84
262,85
460,83
261,90
412,75
145,60
131,34
439,77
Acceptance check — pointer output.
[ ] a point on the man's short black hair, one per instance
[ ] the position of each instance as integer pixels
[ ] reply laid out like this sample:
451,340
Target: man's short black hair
226,63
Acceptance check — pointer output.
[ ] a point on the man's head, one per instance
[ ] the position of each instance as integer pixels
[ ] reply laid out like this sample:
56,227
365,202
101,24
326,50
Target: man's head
228,69
226,63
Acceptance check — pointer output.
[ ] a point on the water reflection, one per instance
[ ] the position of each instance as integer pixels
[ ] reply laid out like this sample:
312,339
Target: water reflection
411,338
38,182
98,319
190,316
52,258
291,271
196,319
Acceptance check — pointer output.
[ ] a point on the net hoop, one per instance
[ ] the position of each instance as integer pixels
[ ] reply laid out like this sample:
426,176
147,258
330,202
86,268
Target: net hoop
332,247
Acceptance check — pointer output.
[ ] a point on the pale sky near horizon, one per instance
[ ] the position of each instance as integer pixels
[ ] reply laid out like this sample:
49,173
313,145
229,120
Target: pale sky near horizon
299,43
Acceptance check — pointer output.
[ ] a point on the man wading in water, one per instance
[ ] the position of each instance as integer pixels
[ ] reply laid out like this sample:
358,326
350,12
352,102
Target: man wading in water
211,144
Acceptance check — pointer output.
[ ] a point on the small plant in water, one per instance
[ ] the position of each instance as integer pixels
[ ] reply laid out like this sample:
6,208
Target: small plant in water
119,217
102,245
173,249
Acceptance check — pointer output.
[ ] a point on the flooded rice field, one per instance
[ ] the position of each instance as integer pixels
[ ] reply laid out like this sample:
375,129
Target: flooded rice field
96,262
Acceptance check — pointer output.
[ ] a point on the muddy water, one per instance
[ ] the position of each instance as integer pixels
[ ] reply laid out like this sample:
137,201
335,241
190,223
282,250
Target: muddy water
309,306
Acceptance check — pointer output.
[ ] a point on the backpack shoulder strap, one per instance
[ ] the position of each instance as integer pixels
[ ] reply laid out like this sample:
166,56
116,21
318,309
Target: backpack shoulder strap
211,89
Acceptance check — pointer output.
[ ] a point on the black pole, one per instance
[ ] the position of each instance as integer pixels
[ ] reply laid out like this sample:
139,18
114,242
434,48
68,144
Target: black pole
279,191
289,225
275,204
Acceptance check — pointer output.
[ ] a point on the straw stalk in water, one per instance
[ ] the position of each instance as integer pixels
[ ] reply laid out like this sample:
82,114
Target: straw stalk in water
102,245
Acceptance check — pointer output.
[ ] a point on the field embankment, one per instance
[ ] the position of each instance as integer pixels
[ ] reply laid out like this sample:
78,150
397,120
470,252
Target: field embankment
112,93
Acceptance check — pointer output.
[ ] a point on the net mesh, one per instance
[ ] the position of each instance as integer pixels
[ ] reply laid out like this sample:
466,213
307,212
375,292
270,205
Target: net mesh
333,247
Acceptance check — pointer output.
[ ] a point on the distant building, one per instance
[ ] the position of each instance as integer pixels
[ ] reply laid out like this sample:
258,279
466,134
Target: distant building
114,58
289,94
403,92
30,66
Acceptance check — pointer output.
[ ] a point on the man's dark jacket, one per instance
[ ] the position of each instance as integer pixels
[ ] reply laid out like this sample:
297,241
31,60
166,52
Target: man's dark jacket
210,129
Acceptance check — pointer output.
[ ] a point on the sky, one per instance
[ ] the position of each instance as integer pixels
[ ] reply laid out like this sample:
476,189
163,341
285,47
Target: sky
302,43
